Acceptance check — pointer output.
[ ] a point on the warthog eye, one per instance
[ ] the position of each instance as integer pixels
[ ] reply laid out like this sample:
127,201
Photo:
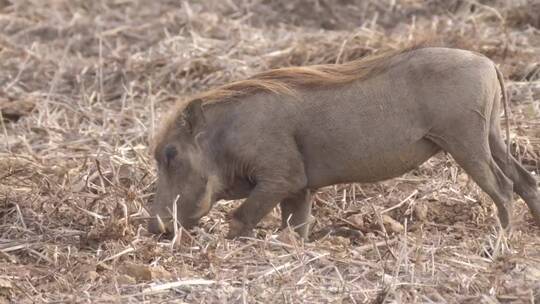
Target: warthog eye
170,153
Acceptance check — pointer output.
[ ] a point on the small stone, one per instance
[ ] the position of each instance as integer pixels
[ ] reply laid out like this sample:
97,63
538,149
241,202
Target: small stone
125,279
463,179
12,110
6,290
143,273
391,225
91,276
532,273
420,212
357,220
160,273
137,271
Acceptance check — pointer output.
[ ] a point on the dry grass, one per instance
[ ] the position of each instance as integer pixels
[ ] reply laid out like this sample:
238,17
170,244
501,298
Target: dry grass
83,83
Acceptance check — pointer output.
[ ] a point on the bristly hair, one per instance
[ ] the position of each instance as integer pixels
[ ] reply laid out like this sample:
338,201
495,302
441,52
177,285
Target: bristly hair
286,81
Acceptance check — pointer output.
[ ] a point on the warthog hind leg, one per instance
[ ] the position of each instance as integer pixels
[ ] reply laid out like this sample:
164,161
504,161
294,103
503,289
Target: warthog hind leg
524,183
472,153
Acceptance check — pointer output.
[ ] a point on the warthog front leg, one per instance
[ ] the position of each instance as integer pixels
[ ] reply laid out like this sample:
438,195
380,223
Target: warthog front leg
264,197
259,203
278,173
296,213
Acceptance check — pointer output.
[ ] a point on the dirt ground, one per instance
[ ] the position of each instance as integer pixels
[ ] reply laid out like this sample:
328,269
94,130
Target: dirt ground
83,85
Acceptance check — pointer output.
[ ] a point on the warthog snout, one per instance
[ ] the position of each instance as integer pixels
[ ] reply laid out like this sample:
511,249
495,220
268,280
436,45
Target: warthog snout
157,225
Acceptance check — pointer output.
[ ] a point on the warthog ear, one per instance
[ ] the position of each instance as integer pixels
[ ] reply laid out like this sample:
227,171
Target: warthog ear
194,116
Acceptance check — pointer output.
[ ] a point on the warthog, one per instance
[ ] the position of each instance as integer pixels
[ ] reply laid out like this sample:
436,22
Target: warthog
277,136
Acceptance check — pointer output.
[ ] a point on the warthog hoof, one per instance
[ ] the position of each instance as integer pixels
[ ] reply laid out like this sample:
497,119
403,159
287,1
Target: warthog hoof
238,229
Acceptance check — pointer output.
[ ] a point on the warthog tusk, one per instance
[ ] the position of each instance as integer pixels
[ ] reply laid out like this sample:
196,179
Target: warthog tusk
160,224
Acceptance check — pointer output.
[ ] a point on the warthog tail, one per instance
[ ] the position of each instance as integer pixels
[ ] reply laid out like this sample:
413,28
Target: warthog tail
506,111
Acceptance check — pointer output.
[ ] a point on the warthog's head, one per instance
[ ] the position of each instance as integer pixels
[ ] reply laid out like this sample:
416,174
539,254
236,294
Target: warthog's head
185,172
